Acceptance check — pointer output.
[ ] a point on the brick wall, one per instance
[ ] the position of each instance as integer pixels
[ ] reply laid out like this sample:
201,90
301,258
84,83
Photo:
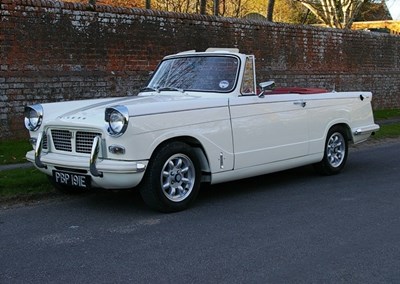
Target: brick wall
55,51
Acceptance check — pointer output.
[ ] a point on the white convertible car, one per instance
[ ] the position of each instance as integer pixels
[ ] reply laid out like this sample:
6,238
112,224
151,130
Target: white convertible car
201,118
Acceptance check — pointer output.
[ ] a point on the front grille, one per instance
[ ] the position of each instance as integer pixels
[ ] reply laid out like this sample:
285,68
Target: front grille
45,143
62,140
84,141
73,141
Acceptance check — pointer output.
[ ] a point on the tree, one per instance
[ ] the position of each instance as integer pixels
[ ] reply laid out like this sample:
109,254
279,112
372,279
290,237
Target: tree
289,11
216,7
373,10
334,13
203,5
270,10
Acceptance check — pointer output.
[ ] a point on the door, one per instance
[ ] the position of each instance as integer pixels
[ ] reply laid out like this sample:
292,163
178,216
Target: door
268,129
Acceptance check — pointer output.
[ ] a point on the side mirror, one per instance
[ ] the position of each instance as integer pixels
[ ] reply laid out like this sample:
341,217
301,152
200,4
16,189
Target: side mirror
266,86
269,85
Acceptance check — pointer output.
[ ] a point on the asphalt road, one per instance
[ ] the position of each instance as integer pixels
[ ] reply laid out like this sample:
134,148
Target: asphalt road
290,227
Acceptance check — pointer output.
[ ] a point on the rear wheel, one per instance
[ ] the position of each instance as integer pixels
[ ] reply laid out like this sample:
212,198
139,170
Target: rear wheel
335,153
172,178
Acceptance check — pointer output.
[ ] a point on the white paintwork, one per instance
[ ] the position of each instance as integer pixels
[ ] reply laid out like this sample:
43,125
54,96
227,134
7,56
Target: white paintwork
252,135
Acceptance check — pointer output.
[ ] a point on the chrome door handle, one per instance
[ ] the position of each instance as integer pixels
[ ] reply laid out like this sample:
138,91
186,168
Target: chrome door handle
302,103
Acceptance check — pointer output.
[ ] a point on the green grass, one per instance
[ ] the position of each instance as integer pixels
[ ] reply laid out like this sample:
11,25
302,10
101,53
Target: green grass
386,114
23,182
388,131
13,152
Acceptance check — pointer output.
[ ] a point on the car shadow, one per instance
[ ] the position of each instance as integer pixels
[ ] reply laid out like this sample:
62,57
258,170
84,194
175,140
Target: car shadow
131,202
267,183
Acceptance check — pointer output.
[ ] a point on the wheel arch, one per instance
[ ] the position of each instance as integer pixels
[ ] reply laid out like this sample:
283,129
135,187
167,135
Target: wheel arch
342,124
195,144
345,126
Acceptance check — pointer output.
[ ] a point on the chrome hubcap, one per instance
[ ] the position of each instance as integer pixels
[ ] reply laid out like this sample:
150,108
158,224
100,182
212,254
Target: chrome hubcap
336,149
178,177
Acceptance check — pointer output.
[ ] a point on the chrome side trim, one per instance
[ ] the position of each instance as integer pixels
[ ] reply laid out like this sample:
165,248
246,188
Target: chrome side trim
93,157
38,151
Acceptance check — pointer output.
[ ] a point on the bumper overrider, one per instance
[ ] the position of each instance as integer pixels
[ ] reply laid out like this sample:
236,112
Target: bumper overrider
104,173
361,134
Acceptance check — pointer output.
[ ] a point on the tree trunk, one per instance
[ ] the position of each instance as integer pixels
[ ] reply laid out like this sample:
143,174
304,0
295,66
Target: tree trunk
203,4
270,10
216,7
334,13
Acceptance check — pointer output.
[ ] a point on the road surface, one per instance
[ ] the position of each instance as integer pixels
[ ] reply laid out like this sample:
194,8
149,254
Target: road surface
289,227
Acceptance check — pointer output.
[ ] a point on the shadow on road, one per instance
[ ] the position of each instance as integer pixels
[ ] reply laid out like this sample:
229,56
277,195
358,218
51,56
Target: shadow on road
130,201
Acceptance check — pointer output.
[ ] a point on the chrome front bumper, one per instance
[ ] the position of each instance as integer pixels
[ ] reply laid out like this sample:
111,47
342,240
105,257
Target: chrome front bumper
105,173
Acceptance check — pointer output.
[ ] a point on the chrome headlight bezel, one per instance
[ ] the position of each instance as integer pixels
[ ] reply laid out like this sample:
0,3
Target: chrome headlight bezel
33,117
117,118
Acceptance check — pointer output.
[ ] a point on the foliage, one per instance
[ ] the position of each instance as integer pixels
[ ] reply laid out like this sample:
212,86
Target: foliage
182,6
226,8
289,11
334,13
373,10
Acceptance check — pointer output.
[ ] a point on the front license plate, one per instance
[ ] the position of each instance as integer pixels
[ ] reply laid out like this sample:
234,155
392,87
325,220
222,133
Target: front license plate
71,179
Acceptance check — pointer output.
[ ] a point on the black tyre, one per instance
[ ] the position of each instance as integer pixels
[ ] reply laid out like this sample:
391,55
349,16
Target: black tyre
172,178
335,152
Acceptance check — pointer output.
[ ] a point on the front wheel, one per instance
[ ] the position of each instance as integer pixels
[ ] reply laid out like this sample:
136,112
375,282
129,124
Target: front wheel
335,153
172,178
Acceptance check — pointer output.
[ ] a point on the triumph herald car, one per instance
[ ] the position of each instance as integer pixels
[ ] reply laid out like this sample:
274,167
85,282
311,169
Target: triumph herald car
202,118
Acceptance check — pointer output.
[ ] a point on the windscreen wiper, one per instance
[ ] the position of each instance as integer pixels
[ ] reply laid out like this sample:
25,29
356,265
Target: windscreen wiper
148,89
170,89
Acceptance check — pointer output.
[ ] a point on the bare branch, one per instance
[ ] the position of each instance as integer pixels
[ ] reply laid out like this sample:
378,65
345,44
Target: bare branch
334,13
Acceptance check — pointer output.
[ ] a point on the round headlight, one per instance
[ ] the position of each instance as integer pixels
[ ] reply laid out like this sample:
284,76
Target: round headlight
33,117
117,118
117,122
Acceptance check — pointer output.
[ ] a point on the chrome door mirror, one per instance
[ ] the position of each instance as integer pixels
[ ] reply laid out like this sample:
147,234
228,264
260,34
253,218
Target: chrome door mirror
266,86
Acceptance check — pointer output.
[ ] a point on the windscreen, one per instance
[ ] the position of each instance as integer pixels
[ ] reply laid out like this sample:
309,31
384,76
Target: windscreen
197,73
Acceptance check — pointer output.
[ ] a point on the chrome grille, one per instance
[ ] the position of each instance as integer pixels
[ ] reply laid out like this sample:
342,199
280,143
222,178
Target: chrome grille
45,143
84,141
62,140
72,140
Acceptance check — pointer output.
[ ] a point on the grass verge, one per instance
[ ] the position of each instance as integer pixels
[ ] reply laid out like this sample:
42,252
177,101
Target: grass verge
23,183
386,114
13,152
388,131
389,122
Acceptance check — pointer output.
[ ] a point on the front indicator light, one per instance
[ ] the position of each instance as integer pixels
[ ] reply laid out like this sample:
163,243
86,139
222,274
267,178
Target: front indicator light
116,149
